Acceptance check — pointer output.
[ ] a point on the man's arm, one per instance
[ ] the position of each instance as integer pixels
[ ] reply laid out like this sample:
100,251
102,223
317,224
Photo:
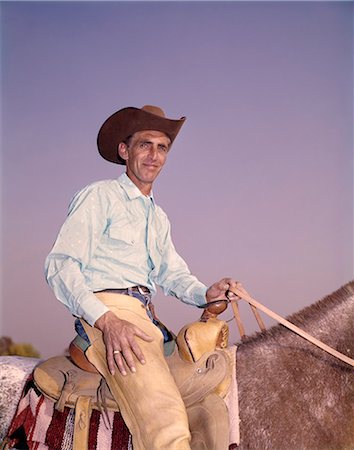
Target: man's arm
176,279
72,252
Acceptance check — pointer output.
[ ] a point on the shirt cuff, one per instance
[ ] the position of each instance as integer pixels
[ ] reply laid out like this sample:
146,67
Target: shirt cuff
91,308
199,295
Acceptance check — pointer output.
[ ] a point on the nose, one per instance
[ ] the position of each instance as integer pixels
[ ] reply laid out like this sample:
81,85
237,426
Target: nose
153,152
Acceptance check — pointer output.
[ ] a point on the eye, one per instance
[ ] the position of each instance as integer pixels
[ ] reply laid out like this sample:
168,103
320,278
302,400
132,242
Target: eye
163,148
145,145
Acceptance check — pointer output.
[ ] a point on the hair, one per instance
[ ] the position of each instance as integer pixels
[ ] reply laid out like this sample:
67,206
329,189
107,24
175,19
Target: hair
128,140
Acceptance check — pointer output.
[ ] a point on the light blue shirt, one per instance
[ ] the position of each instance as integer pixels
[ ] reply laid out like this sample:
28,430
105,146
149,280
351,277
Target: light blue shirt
116,237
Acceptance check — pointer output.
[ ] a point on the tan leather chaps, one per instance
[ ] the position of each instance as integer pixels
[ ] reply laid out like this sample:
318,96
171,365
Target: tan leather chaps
149,400
164,399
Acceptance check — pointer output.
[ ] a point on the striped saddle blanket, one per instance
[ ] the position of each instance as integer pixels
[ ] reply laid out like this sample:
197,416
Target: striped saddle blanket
39,426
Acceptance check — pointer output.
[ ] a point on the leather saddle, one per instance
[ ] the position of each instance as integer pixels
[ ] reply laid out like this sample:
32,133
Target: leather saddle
201,369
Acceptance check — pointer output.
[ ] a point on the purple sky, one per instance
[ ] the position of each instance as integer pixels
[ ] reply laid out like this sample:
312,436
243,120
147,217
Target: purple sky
259,184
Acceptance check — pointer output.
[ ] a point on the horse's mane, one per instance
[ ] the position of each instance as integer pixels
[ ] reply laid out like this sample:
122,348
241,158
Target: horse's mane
308,313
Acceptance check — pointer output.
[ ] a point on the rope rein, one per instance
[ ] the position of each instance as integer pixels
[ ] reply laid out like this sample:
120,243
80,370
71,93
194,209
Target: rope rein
241,294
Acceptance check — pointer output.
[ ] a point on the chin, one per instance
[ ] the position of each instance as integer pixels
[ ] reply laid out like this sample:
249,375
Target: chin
152,173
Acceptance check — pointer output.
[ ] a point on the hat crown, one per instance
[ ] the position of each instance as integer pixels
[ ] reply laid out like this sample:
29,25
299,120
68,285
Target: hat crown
154,110
130,120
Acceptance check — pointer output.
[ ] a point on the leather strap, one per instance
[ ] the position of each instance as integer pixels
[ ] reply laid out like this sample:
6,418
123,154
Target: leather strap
242,294
82,423
141,289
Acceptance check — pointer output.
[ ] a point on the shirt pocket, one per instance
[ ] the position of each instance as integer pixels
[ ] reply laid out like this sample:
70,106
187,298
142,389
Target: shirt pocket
122,237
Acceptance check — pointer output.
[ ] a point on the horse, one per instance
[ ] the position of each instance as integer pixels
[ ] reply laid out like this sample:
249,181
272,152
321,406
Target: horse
292,395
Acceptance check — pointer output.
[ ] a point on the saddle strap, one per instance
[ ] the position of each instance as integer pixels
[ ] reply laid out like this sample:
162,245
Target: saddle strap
82,423
195,380
242,294
69,385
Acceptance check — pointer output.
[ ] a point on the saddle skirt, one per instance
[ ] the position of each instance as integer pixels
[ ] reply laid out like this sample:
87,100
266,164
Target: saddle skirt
62,381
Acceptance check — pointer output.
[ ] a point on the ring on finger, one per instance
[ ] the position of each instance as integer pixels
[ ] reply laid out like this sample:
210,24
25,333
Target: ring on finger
116,352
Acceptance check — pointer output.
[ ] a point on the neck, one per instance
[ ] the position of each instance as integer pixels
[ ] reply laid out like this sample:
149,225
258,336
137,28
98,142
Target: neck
329,320
144,188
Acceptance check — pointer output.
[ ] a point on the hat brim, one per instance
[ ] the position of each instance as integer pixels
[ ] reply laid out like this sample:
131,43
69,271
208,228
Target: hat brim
127,121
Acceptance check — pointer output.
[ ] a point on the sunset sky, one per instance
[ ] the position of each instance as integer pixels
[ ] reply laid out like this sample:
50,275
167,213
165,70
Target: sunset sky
259,183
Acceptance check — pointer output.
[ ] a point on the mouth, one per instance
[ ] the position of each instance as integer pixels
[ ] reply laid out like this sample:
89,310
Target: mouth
151,166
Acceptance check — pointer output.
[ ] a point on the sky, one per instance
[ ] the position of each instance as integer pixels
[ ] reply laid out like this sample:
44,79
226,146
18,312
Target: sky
259,183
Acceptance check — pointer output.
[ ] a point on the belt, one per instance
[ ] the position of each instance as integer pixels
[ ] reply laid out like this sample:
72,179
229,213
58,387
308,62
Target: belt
169,337
144,297
140,289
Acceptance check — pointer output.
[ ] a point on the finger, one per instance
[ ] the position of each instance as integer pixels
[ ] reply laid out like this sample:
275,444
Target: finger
138,352
140,333
118,358
231,283
129,359
231,295
236,291
130,350
135,347
224,286
110,359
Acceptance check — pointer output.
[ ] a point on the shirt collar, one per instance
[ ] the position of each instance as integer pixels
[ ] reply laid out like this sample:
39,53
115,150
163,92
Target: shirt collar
131,189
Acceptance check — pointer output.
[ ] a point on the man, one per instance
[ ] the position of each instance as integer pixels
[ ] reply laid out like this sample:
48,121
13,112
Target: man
113,249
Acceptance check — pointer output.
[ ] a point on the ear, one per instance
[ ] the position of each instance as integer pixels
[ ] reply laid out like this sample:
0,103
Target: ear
123,151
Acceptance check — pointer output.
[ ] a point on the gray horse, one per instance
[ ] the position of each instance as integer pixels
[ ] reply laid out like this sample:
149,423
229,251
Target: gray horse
292,395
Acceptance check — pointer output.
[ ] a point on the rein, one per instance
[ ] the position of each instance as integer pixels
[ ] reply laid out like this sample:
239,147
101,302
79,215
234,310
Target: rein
241,294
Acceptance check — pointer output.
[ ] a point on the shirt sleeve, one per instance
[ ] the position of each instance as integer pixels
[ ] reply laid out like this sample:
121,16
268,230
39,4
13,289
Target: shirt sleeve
72,252
175,277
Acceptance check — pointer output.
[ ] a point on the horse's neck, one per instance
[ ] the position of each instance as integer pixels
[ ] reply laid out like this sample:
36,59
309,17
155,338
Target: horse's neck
331,319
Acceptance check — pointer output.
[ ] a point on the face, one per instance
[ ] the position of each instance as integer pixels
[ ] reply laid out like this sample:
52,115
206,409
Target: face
145,155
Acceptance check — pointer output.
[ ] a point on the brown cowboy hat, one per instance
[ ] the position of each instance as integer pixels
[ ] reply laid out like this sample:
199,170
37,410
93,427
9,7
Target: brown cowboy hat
127,121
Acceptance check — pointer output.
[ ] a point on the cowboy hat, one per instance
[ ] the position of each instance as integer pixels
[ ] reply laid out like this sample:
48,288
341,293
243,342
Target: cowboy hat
127,121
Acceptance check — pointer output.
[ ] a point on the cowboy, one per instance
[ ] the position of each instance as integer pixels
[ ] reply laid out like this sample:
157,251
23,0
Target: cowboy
112,251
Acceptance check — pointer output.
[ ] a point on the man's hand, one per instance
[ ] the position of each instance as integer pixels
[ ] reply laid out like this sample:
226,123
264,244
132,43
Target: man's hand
121,346
217,291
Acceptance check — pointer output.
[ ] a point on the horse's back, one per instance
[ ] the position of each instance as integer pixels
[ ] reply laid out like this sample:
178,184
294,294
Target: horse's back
14,371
